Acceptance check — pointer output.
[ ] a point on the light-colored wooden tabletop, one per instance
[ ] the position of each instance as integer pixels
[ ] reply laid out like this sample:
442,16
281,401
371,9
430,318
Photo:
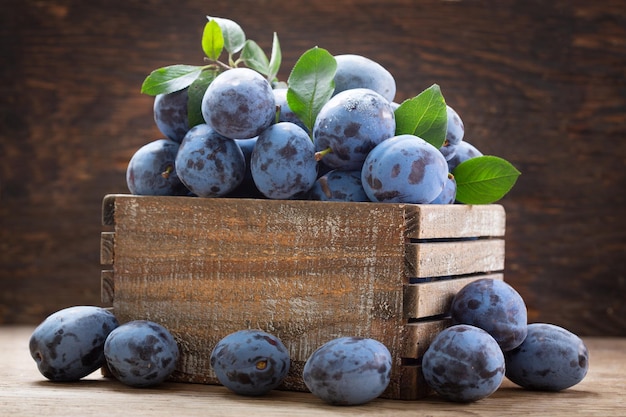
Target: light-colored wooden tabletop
24,392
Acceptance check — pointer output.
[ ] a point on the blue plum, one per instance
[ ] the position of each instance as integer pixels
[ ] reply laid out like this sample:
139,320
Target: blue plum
462,152
494,306
170,114
69,344
209,164
283,162
455,128
285,113
141,353
239,104
463,363
348,370
448,194
152,170
404,169
338,185
247,188
350,125
250,362
551,358
357,71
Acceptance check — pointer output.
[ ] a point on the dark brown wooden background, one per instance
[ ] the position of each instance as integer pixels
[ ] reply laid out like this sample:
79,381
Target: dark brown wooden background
542,84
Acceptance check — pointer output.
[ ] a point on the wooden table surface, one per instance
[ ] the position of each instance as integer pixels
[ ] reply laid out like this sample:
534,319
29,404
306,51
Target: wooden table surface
24,392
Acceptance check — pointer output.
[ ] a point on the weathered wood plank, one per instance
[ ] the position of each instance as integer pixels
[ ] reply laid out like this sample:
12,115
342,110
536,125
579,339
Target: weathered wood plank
107,287
434,298
457,220
417,337
107,248
436,259
306,272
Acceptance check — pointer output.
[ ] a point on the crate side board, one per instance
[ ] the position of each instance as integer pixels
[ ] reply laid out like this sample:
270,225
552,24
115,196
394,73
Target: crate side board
436,221
205,268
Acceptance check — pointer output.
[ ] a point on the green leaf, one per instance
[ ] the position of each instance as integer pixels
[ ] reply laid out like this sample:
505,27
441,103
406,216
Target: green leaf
254,57
212,40
275,59
194,97
311,84
234,36
484,179
424,116
170,79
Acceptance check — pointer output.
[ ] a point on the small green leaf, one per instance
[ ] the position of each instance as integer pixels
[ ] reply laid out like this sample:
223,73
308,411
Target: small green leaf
424,116
234,36
170,79
275,59
484,179
194,97
311,84
254,57
212,40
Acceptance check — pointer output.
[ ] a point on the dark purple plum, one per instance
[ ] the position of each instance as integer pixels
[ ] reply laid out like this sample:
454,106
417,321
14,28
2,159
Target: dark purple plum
462,152
404,169
152,170
250,362
283,161
551,358
494,306
69,344
209,164
170,114
141,353
348,370
239,104
448,194
356,71
338,185
350,125
463,364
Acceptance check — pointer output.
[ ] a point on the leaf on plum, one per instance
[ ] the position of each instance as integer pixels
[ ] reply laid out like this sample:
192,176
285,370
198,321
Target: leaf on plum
311,84
233,34
212,40
425,116
275,58
484,179
169,79
195,93
254,57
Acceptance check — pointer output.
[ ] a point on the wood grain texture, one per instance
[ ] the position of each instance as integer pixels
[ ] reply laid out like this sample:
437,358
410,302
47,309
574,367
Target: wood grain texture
434,298
540,84
24,392
305,271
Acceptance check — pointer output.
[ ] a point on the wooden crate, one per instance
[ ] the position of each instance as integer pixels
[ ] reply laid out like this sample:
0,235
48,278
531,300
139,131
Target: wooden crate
304,271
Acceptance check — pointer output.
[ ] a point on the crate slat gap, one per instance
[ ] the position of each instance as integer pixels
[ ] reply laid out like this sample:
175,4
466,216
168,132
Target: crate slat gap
304,271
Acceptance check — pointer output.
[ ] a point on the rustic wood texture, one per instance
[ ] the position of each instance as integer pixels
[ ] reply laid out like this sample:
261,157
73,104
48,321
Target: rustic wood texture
304,271
538,83
24,392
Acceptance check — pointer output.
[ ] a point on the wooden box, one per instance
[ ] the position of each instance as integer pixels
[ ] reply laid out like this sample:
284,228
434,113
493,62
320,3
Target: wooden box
304,271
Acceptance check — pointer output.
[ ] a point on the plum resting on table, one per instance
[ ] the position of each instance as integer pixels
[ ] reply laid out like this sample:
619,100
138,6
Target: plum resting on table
348,370
463,364
551,358
69,344
250,362
141,353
